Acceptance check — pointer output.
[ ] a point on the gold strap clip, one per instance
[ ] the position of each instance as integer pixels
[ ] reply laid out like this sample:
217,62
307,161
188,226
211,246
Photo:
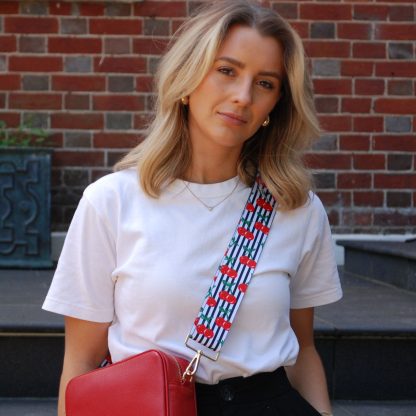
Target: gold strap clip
192,367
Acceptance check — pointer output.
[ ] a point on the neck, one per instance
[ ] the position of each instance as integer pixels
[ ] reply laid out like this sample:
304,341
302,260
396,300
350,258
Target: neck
212,167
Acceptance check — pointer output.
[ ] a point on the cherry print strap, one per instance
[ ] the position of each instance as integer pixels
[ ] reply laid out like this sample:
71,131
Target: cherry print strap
231,280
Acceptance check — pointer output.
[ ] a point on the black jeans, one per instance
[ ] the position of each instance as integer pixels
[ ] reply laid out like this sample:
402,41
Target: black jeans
264,394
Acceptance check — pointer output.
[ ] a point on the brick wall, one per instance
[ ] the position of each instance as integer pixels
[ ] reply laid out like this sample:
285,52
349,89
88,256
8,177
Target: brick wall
83,71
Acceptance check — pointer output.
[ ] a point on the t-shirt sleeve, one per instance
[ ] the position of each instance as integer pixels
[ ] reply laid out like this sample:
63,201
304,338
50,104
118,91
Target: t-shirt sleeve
316,281
83,286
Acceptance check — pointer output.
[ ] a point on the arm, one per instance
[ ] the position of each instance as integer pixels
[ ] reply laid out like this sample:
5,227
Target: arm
307,375
85,347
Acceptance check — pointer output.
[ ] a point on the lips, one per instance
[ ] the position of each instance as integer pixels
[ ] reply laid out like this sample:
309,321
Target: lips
232,118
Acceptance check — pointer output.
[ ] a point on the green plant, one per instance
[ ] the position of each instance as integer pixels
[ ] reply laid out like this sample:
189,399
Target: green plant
24,136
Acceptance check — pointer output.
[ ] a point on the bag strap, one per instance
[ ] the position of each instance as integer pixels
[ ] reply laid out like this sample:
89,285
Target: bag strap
231,280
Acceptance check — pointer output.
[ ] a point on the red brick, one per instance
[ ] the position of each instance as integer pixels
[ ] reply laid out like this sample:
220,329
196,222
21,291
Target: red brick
396,69
353,180
369,50
335,123
78,121
118,103
113,157
328,161
369,86
35,63
333,217
395,31
74,45
368,199
144,83
120,64
2,100
116,26
368,124
8,43
325,11
116,140
78,158
11,119
91,9
326,104
302,29
160,8
30,25
355,142
369,162
370,12
59,8
117,46
356,105
77,102
356,68
332,86
9,82
395,143
354,31
352,218
287,10
324,48
149,46
334,198
395,106
9,7
142,121
401,13
78,83
400,87
35,101
394,219
394,181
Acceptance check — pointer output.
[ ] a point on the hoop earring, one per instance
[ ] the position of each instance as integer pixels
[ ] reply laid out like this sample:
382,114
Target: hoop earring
266,122
185,100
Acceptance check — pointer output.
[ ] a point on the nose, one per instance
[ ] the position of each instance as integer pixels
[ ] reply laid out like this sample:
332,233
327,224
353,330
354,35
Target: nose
243,93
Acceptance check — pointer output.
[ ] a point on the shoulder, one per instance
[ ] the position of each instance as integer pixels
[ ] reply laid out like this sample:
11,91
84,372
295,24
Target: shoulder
116,182
112,188
312,209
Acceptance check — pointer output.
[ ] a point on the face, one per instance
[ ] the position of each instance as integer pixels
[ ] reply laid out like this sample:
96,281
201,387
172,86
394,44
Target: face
238,93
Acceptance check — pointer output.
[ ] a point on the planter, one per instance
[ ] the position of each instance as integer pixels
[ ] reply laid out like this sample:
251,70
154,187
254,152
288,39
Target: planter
25,176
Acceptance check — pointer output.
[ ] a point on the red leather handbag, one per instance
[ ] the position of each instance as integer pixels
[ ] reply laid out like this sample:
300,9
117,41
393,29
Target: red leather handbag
147,384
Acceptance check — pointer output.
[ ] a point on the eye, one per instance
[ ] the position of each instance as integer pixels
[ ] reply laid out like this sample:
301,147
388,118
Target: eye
266,84
226,70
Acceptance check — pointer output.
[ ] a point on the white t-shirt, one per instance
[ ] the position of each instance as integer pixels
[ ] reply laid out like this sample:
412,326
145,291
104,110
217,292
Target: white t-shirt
145,265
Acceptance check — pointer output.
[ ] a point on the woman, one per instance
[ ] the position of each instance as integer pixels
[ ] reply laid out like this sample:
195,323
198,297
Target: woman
233,98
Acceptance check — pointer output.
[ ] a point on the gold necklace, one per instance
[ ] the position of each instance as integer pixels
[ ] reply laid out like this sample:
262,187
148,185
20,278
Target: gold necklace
210,207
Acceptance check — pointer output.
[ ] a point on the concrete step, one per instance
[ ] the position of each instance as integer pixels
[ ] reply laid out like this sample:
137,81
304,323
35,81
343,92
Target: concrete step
388,261
367,340
47,407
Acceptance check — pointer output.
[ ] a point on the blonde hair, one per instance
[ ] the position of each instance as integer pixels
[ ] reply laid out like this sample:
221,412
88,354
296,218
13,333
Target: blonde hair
277,150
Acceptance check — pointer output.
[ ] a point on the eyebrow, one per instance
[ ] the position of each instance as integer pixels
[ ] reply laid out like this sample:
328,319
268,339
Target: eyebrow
241,65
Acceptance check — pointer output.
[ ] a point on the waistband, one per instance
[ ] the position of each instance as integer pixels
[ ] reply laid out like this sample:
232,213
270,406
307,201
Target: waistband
259,386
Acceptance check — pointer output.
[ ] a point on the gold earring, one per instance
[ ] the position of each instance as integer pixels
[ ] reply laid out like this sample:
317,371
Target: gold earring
266,122
185,100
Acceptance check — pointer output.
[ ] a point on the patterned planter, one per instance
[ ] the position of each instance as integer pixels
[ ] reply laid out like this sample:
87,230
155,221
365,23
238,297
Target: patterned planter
25,175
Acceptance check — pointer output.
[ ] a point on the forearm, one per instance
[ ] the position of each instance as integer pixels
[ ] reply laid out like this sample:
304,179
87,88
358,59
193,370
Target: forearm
71,370
307,376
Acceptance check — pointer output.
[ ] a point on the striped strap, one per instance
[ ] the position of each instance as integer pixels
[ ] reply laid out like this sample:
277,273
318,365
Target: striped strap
230,283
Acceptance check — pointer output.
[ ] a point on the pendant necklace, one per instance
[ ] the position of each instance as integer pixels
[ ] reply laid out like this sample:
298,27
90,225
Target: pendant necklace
210,207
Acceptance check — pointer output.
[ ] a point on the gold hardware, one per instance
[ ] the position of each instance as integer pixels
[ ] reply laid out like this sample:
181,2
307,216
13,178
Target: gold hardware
215,358
192,367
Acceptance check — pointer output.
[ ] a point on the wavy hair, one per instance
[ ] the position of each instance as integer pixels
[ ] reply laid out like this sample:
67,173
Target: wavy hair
277,150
